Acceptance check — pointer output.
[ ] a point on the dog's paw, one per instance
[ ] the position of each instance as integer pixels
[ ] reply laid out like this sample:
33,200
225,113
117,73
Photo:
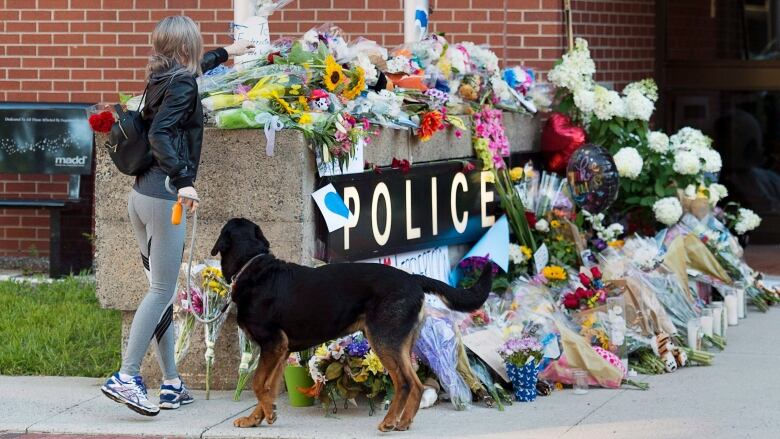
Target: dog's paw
403,426
385,427
246,422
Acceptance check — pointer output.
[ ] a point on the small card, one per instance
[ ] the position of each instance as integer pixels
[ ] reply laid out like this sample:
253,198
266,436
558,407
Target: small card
541,258
485,345
332,207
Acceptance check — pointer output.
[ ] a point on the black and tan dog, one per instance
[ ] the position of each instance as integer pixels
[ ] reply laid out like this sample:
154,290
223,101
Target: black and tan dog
286,308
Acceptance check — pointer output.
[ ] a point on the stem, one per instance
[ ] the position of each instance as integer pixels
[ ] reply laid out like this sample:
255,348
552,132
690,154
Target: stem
208,379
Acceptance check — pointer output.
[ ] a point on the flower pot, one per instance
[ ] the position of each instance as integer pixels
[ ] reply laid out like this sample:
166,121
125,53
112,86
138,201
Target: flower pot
523,380
297,377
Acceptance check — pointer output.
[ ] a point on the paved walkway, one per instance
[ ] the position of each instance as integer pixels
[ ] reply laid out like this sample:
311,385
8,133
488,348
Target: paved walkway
737,397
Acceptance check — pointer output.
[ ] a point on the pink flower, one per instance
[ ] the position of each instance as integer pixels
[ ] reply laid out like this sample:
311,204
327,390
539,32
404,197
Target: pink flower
458,134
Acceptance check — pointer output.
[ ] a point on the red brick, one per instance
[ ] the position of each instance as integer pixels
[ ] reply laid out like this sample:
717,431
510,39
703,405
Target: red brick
13,232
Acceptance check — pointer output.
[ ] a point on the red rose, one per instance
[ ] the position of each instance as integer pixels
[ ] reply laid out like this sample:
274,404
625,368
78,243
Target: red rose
531,218
582,293
101,122
584,279
595,272
403,165
570,301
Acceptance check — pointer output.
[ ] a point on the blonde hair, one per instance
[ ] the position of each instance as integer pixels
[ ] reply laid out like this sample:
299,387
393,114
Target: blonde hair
176,40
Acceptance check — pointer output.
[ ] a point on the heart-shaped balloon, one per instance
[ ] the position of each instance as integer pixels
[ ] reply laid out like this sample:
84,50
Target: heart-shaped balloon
560,138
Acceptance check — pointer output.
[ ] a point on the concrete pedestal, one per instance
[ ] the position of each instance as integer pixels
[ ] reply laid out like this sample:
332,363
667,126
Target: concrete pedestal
237,179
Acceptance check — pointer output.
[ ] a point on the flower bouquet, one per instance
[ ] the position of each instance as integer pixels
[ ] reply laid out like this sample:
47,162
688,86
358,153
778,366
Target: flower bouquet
250,358
215,296
185,321
522,357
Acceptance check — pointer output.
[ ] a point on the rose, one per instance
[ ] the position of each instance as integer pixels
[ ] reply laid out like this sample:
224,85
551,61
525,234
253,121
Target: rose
584,279
101,122
571,301
542,226
595,272
582,293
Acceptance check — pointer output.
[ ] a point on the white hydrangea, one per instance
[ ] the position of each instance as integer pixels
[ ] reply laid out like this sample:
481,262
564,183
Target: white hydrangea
658,142
712,160
746,221
516,254
607,104
482,57
690,139
576,69
638,106
612,232
690,192
686,163
371,72
646,87
585,100
717,193
667,210
629,163
542,226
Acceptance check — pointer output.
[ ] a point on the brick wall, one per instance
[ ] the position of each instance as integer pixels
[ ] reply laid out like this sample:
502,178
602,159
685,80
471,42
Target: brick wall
90,50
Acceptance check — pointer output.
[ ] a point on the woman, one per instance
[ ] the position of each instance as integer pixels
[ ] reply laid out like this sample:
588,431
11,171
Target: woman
173,111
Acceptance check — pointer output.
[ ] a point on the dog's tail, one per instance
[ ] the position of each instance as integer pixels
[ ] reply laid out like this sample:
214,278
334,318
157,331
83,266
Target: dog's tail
459,299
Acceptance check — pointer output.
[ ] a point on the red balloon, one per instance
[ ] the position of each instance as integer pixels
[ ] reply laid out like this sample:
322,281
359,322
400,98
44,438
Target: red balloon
560,138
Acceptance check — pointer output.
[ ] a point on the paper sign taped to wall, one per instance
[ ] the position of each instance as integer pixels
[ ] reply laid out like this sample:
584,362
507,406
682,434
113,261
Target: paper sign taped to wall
332,207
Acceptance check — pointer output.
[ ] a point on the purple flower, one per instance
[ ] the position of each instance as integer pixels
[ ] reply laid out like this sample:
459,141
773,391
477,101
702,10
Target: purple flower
599,244
358,348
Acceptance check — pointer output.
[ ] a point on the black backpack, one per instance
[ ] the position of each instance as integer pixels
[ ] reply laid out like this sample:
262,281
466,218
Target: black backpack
128,141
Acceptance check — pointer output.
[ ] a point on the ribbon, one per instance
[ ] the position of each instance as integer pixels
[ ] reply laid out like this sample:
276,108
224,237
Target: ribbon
272,125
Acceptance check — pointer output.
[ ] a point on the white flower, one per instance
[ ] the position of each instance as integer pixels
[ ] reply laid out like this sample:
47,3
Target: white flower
646,87
542,226
717,193
457,60
502,90
686,163
584,100
747,221
658,142
667,210
516,254
610,233
690,192
481,57
372,74
399,64
629,163
314,370
576,69
690,139
638,106
607,104
712,160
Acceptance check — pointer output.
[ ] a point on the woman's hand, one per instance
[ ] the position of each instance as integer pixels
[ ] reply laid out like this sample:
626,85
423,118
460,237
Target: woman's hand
188,198
240,47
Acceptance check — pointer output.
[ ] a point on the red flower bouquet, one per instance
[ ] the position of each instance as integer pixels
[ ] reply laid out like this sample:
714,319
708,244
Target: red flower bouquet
101,122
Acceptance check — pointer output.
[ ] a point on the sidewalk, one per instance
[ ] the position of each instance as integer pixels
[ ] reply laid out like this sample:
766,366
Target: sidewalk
736,397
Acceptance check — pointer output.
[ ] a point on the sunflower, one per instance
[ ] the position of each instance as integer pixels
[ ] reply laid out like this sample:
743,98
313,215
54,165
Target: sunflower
334,73
359,86
285,105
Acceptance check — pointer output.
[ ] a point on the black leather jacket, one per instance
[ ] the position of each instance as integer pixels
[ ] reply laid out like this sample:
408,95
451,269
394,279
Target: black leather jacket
175,118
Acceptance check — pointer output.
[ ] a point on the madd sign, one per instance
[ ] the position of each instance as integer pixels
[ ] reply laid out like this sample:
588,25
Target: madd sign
431,205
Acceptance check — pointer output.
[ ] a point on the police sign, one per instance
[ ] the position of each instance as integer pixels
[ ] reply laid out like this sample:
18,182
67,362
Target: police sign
433,204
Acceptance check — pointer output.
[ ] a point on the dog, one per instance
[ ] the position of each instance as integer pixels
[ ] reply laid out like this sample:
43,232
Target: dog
285,307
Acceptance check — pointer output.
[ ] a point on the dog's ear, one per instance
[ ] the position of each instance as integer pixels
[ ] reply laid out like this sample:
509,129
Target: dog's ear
221,245
259,235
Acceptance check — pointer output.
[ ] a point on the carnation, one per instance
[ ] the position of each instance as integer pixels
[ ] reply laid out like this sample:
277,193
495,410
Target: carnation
746,221
629,163
516,254
667,210
686,163
712,160
658,142
607,104
638,106
542,226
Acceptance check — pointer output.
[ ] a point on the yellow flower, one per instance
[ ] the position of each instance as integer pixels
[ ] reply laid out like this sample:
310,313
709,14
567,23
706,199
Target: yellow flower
285,105
618,243
514,306
554,272
516,173
555,224
305,119
526,251
488,177
373,364
359,86
295,90
302,101
321,351
558,386
334,73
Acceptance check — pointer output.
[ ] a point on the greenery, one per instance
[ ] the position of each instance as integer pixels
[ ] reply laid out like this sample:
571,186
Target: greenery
57,328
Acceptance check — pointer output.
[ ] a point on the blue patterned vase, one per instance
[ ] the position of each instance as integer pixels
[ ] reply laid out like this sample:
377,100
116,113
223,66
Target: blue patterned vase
523,380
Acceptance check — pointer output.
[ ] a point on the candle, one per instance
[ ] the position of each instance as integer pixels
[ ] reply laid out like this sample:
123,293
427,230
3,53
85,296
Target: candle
706,324
693,334
740,303
717,318
731,309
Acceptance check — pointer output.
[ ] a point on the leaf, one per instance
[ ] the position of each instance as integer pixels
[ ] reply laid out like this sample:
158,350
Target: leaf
456,122
334,371
615,129
298,55
647,201
633,200
123,98
659,188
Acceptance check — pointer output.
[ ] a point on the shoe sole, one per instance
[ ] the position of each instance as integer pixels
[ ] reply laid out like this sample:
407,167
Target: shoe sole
129,405
175,405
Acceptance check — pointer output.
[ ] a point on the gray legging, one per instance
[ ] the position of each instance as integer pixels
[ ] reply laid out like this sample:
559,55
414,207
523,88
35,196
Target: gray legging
161,244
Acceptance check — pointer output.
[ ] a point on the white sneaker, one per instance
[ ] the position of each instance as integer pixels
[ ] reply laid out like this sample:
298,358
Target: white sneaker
130,393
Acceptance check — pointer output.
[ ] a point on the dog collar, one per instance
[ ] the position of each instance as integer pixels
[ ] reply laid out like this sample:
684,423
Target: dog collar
241,271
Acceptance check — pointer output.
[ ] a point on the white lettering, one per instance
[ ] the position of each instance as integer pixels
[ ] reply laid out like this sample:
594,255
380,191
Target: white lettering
485,197
381,190
459,180
434,207
411,232
351,195
70,161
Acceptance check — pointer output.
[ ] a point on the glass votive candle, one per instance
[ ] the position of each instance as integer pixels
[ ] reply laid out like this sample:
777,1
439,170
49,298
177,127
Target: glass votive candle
693,333
706,322
580,381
